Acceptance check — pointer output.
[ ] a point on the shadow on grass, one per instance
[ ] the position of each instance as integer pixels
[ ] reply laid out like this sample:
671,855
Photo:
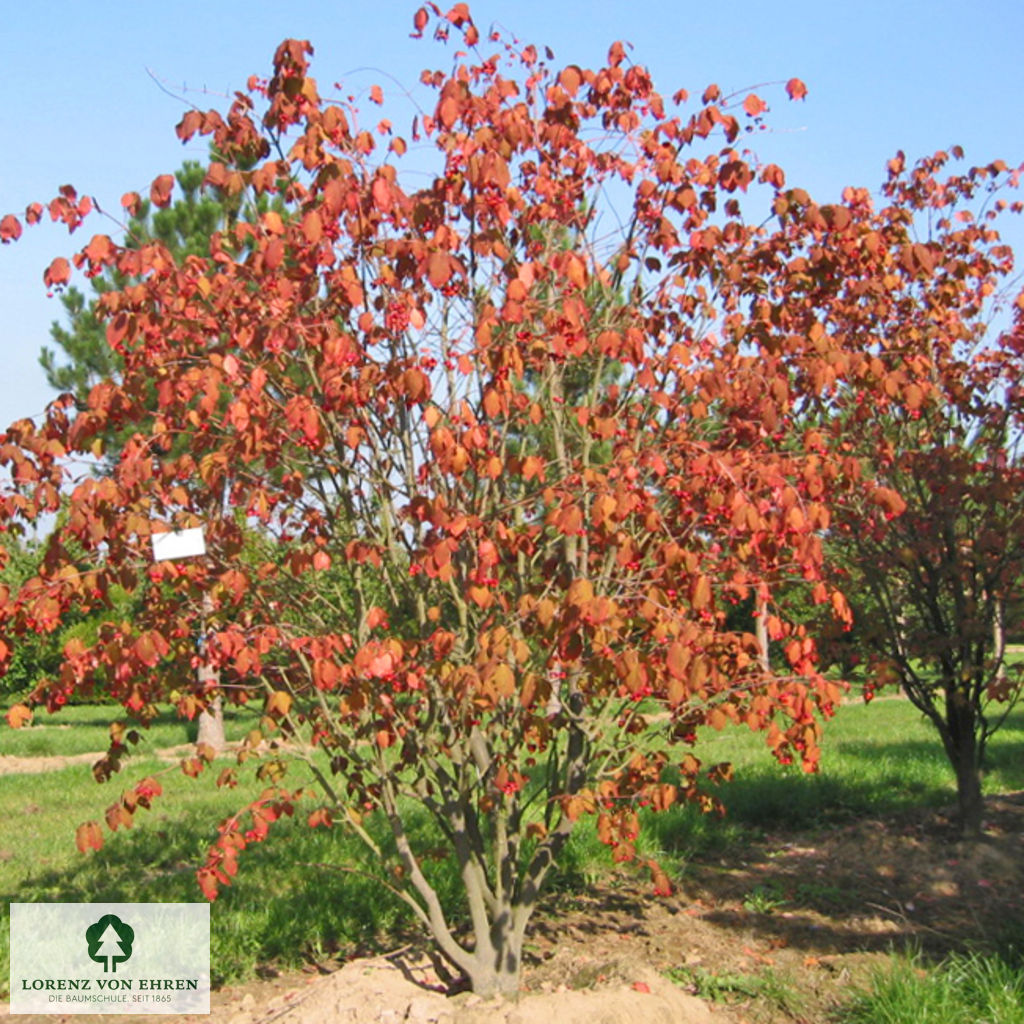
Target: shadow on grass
862,778
287,906
770,800
869,860
906,883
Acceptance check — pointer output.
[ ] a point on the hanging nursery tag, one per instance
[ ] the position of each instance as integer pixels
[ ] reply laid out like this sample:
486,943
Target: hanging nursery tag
178,544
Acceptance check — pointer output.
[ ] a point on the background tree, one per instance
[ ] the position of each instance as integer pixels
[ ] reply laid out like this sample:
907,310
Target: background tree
932,411
508,640
85,358
934,581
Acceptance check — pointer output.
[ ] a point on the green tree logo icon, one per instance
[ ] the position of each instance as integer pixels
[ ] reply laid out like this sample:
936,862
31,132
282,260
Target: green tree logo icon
110,941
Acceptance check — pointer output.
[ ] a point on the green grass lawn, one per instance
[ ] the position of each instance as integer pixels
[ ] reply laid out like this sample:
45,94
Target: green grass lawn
84,729
877,759
286,905
963,989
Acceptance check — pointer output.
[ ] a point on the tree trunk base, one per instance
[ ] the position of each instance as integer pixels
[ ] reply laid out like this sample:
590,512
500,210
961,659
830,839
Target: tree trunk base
211,726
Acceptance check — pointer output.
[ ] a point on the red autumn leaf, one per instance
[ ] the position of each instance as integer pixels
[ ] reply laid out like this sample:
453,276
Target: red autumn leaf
891,501
208,883
89,837
447,112
754,105
439,269
58,273
841,607
273,254
278,704
117,815
160,190
321,816
381,666
326,674
18,715
146,789
312,227
503,680
664,796
376,96
383,196
376,617
700,593
99,249
189,125
773,175
677,660
796,89
660,880
571,79
10,229
149,648
717,719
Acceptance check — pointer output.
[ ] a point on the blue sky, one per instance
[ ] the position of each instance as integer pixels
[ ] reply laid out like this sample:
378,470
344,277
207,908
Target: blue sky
82,103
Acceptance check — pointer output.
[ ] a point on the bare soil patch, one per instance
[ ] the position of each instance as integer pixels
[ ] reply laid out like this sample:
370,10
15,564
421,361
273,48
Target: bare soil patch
773,934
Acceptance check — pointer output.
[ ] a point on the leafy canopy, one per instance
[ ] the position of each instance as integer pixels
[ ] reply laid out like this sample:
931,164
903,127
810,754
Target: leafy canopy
481,468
